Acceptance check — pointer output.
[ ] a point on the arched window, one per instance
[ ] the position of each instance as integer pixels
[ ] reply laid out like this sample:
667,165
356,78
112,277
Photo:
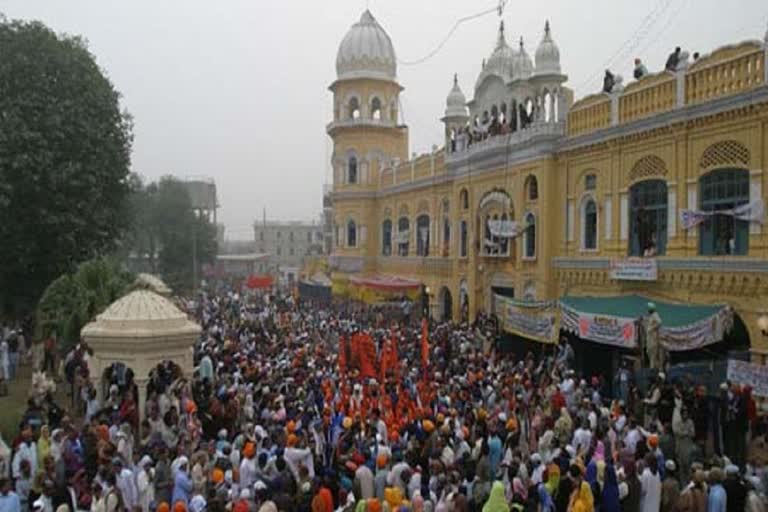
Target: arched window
487,247
386,238
352,170
719,191
403,236
376,109
529,236
548,114
589,224
532,188
354,108
464,199
422,235
464,239
494,112
590,182
351,234
503,114
648,218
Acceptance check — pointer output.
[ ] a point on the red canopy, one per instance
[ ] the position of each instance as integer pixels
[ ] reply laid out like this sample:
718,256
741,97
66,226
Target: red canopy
259,281
386,283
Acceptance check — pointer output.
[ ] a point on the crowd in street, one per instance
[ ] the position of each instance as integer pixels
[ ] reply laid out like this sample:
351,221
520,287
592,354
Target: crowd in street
296,406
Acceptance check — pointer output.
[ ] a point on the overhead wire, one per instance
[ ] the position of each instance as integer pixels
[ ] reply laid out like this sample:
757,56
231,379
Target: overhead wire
632,42
498,9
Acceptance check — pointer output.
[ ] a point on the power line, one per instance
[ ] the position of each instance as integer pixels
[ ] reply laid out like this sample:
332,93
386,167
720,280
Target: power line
498,9
631,43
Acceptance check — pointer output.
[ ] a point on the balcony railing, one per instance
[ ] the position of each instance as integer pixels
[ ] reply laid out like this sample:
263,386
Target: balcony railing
727,71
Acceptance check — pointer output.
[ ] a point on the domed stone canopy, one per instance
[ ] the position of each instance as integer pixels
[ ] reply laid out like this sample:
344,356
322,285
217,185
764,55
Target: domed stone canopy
140,330
366,52
501,61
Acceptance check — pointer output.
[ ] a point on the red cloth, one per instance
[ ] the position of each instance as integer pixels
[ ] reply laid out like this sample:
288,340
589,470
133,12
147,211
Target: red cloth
258,281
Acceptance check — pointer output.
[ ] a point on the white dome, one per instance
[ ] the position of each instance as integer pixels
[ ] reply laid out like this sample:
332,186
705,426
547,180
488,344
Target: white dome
366,52
522,64
456,104
140,313
547,55
501,61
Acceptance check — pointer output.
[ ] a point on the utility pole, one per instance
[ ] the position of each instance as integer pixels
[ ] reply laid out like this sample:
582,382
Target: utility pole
195,280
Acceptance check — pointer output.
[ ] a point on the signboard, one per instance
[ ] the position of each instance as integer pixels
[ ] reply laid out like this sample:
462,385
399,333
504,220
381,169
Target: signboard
611,330
634,269
537,321
749,374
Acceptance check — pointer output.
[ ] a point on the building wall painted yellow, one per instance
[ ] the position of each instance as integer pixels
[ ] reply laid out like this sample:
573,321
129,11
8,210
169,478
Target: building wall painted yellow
670,126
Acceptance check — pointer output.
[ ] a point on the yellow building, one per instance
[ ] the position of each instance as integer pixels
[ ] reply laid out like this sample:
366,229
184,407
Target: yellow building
653,190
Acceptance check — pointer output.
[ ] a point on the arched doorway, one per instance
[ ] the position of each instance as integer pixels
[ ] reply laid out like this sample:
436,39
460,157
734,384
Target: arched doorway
121,394
446,304
463,301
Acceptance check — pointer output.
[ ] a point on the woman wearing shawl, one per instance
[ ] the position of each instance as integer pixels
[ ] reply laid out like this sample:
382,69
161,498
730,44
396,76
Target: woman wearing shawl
496,501
610,487
581,499
44,443
564,427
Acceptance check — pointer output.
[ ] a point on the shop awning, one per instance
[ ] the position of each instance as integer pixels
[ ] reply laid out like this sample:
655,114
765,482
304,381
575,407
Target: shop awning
386,283
614,321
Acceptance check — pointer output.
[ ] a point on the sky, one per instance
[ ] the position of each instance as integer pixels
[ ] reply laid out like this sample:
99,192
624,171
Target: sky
237,90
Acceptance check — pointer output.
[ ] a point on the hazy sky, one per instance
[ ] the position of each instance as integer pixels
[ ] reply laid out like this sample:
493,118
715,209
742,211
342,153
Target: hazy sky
237,90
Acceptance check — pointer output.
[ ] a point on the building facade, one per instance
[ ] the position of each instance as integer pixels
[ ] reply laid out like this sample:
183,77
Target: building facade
288,244
654,189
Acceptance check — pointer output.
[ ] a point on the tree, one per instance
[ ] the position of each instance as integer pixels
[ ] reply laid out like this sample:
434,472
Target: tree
74,299
64,160
166,232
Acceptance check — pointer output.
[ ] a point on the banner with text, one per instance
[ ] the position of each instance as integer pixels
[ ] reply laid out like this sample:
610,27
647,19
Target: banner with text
611,330
538,321
504,228
634,269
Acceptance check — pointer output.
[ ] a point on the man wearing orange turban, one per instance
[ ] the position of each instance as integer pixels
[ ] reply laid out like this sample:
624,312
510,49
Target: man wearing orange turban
179,506
163,507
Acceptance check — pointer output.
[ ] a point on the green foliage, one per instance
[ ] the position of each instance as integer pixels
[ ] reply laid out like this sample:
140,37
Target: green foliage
73,300
64,161
165,231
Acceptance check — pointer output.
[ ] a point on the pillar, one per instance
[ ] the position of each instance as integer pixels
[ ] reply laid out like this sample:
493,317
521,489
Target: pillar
141,386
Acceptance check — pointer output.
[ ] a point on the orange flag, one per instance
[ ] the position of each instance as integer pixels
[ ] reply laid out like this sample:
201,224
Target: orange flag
342,356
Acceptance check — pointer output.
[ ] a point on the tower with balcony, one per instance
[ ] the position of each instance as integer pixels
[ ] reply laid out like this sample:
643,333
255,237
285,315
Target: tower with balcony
366,134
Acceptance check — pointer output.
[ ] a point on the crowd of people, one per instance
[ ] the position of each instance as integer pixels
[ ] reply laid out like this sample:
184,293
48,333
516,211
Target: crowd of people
305,407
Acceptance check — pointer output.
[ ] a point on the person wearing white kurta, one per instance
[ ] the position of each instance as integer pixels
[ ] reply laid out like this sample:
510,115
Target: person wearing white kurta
145,485
650,494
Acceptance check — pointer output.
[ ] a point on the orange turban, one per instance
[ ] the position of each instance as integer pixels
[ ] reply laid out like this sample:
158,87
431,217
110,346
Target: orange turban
103,433
347,423
191,409
653,441
249,450
179,506
217,476
428,426
373,505
291,427
292,440
381,460
163,507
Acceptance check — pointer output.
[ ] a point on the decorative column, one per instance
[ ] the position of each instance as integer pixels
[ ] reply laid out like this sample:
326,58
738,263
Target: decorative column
141,385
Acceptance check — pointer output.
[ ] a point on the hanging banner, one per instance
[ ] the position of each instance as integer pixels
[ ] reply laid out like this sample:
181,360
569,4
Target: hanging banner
504,228
402,237
536,320
754,211
611,330
634,269
424,234
749,374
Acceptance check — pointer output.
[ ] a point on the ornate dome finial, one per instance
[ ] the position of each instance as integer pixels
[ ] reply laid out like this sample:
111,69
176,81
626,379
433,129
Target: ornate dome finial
522,45
456,103
455,79
547,54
